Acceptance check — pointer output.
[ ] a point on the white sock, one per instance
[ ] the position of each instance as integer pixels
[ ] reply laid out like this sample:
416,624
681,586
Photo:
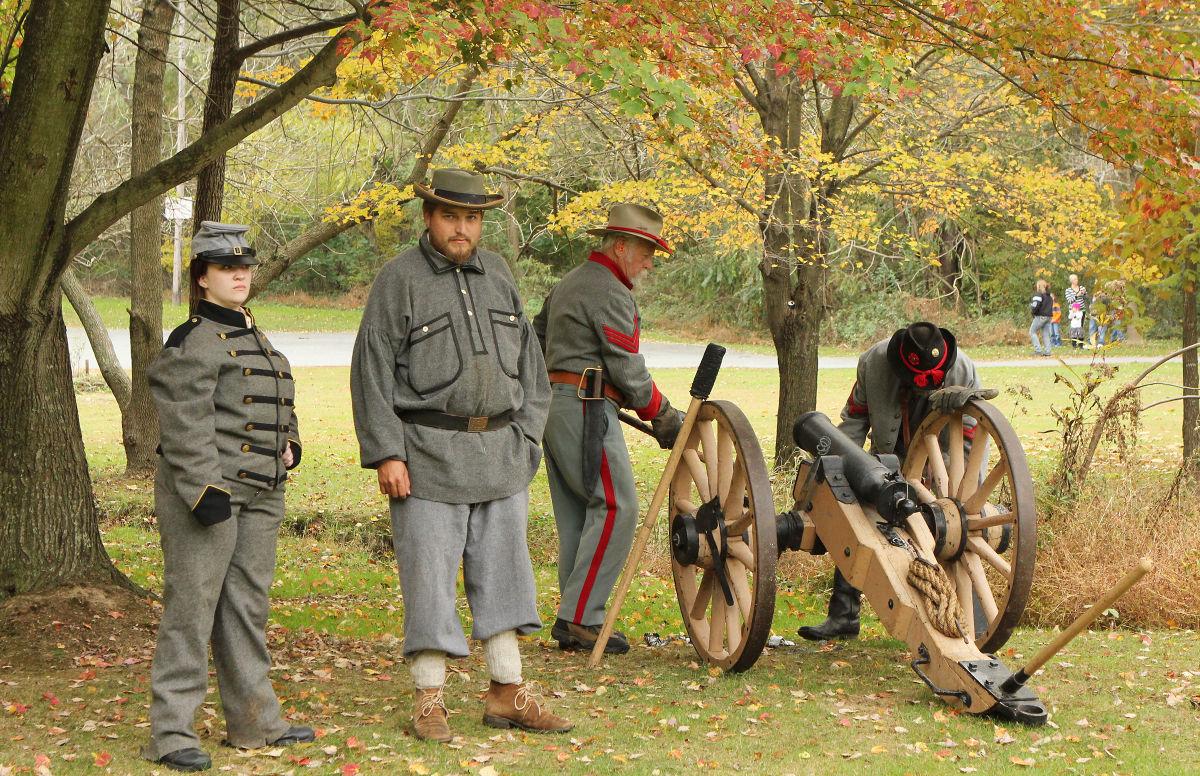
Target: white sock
428,669
503,657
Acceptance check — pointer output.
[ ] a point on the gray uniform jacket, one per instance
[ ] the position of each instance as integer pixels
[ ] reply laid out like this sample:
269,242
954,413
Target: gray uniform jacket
591,319
454,339
879,401
226,402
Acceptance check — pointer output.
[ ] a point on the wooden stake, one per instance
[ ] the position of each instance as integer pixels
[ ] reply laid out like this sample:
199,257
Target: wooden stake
643,534
1074,629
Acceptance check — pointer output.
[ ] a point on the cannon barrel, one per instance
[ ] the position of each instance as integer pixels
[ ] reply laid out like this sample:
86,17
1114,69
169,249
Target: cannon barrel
871,481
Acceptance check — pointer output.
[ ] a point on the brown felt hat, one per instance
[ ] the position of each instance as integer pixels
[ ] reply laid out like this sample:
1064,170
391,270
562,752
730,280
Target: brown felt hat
458,188
635,221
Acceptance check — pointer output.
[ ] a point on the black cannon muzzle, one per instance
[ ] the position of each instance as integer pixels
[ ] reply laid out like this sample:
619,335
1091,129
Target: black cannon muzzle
872,481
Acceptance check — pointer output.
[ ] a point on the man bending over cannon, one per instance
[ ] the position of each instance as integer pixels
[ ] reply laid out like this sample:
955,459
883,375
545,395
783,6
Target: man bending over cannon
900,380
589,332
450,395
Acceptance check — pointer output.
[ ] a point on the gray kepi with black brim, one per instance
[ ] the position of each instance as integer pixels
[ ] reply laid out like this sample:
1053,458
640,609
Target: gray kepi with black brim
219,243
458,188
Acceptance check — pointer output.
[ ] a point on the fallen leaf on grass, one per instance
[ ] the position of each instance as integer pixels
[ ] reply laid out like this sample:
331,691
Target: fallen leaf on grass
1026,762
101,759
350,769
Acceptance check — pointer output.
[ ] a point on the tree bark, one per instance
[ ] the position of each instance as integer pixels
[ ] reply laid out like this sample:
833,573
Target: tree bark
218,107
49,532
97,334
139,419
1191,374
795,243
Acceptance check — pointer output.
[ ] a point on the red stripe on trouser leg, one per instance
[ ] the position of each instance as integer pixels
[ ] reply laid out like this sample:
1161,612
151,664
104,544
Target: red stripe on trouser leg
610,517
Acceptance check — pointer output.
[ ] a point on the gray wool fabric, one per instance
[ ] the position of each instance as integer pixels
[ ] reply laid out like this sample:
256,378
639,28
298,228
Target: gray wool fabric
215,236
453,339
431,539
596,527
215,584
591,319
876,402
226,404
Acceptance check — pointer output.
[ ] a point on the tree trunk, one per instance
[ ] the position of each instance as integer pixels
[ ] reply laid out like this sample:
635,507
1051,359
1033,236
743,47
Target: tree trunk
49,532
93,326
1191,374
795,242
218,106
139,420
48,527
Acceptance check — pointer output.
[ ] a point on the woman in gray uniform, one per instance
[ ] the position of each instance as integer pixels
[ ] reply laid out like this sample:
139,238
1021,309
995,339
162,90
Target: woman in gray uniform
225,401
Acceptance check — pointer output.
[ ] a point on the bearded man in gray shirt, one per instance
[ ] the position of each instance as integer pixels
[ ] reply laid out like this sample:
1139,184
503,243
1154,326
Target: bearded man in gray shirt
450,398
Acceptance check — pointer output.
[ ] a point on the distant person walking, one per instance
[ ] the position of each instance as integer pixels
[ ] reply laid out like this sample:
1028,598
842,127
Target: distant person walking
1077,300
1041,305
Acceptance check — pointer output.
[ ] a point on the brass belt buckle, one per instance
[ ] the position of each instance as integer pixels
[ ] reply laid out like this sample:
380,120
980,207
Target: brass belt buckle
581,389
477,424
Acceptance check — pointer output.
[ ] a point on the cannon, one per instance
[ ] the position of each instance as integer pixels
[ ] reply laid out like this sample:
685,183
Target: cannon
942,546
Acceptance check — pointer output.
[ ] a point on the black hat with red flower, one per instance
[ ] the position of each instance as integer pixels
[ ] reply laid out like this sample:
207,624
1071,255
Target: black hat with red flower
922,354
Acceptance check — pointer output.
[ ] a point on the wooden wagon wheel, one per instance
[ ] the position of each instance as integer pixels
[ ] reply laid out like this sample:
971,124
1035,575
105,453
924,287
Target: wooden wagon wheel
988,479
722,482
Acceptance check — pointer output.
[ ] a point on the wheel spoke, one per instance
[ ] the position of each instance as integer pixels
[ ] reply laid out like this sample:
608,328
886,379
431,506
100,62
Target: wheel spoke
937,466
708,439
980,496
741,586
733,490
975,461
699,474
985,551
1000,518
963,584
742,552
982,589
954,432
703,596
737,525
726,465
716,625
684,507
733,627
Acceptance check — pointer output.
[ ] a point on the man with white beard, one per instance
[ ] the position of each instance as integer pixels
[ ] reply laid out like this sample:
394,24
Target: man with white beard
590,331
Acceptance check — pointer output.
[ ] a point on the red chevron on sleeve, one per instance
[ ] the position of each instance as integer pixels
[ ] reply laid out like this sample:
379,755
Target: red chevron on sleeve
855,409
623,340
969,431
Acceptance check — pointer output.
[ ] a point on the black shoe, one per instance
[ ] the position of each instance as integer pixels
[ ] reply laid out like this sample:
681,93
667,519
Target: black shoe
572,635
297,734
842,622
191,759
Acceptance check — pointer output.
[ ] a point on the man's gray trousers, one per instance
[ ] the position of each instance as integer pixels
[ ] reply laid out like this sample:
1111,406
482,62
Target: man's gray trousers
432,538
595,527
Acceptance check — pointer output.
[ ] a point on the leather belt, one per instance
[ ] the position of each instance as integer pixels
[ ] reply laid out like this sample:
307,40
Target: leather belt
445,420
564,377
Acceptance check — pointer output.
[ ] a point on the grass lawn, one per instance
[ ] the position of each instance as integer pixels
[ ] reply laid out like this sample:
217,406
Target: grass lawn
1121,701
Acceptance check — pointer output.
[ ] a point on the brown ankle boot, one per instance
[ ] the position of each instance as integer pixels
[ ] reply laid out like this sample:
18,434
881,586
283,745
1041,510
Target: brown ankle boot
518,705
429,715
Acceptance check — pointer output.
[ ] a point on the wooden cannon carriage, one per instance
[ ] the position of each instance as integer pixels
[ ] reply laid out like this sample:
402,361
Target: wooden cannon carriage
943,547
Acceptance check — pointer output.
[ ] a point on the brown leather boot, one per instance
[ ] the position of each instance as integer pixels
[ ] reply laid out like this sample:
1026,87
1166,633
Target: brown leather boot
429,715
518,705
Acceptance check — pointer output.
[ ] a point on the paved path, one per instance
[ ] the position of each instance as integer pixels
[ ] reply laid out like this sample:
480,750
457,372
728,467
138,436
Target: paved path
334,348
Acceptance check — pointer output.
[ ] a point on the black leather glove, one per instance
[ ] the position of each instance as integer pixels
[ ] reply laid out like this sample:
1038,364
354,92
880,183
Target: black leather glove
666,424
954,397
213,507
